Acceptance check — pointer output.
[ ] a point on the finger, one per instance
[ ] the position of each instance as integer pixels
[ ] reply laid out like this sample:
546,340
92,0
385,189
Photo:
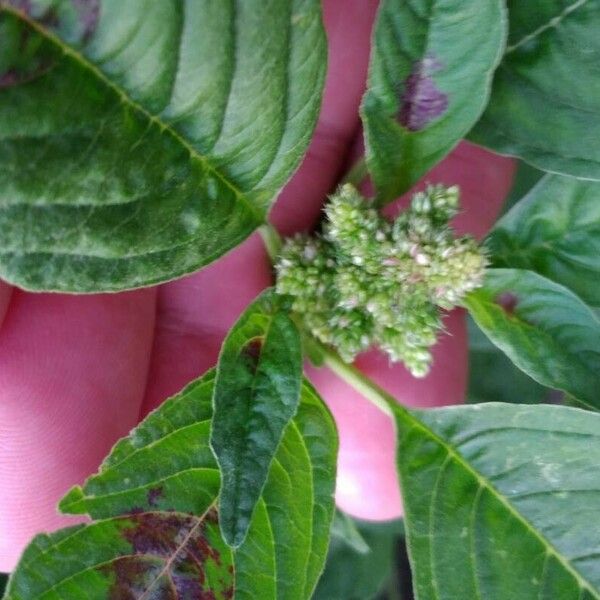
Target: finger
367,485
72,376
195,313
5,294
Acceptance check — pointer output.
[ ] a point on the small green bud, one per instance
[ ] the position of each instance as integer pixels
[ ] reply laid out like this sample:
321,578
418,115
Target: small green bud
368,282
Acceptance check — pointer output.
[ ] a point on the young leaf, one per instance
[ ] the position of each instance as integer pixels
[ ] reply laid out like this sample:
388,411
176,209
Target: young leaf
545,329
257,390
501,501
165,469
545,102
140,141
429,81
554,231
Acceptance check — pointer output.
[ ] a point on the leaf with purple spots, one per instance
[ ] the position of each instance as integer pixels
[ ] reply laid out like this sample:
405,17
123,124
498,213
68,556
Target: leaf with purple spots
164,473
429,80
422,101
150,555
544,328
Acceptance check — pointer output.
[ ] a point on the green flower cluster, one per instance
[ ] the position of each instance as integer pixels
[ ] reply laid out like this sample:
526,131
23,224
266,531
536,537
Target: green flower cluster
370,282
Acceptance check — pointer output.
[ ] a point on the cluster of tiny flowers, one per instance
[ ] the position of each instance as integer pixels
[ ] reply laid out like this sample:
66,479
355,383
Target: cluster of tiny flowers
370,282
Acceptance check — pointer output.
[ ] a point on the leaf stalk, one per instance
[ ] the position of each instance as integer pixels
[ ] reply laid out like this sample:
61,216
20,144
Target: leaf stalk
360,382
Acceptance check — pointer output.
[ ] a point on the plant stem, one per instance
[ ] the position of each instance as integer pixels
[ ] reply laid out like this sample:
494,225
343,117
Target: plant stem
361,383
357,173
271,239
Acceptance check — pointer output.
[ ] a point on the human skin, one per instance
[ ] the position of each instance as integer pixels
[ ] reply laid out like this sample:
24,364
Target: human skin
78,372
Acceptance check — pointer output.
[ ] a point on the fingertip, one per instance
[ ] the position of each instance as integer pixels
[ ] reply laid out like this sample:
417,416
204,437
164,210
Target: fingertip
346,21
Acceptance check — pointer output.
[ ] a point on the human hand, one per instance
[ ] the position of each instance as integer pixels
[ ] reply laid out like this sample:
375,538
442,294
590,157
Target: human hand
77,372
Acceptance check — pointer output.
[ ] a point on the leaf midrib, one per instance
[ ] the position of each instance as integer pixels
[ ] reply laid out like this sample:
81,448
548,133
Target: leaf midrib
166,570
484,482
554,22
86,64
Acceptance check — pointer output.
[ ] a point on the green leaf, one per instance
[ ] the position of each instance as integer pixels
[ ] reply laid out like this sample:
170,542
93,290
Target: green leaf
307,471
257,390
524,180
494,378
429,81
545,329
554,231
545,103
165,469
501,501
344,529
354,575
140,141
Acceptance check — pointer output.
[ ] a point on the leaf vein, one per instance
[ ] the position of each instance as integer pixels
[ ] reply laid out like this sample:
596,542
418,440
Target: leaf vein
552,23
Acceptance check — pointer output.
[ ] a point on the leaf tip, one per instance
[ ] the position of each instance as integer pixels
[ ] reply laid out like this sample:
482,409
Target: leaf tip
72,503
234,532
